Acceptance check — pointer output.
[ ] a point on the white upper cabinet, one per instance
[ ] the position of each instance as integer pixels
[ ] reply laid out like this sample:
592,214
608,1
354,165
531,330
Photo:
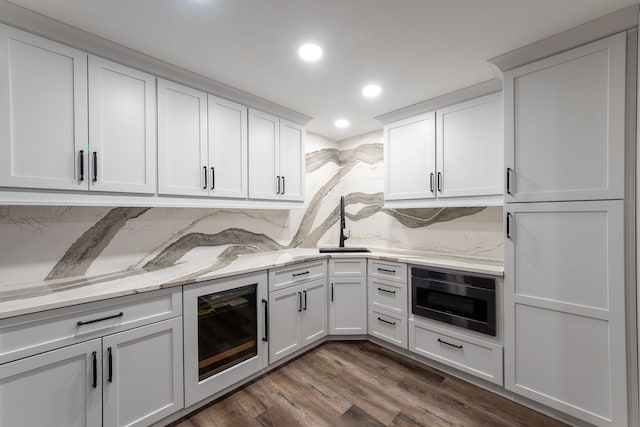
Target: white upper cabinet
469,147
292,162
182,140
564,125
43,113
410,158
449,156
276,158
227,148
122,128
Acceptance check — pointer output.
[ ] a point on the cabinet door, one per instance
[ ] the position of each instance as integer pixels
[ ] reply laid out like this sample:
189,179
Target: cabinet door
285,308
348,306
565,308
565,125
292,162
43,113
55,388
314,311
122,128
227,148
264,175
470,149
182,140
410,158
142,374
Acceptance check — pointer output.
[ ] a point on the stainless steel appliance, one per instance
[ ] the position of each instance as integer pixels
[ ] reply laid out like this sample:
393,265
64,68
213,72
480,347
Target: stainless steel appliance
459,299
225,333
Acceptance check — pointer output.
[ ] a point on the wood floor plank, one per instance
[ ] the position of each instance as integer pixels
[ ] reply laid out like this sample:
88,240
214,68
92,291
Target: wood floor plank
360,384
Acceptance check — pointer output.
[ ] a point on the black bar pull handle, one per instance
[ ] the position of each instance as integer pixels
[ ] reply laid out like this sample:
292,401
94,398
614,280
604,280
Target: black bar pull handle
508,225
95,166
283,184
459,347
81,159
278,181
204,187
305,299
213,178
110,379
266,321
509,172
387,291
332,292
101,319
94,362
431,182
440,182
386,321
299,301
386,270
300,274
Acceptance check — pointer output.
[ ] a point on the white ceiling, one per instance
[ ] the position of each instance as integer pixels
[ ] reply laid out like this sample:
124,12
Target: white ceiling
415,49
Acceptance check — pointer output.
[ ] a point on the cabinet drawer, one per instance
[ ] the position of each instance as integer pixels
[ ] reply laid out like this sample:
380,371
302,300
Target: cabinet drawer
285,277
476,357
35,333
388,270
388,327
348,267
387,295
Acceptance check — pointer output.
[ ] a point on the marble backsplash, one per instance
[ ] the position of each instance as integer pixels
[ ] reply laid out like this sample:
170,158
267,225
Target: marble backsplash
39,242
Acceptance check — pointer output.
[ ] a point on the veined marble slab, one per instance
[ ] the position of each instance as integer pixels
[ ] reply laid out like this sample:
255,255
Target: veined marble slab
51,294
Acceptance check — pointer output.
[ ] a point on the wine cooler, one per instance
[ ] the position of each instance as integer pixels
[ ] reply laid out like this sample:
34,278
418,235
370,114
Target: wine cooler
225,334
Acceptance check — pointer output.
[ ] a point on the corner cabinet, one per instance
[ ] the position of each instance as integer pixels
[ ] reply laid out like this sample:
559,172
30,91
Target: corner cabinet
43,113
449,156
348,296
276,158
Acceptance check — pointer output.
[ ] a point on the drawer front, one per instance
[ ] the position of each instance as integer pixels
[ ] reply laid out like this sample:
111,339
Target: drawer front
387,295
280,278
35,333
348,267
388,327
388,270
476,357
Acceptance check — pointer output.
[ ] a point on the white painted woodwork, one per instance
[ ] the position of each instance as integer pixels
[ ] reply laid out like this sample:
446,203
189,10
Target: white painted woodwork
470,148
196,390
264,148
314,313
387,270
285,326
348,267
182,140
53,388
389,327
292,161
565,308
122,128
565,124
348,306
146,383
409,158
468,354
284,277
25,336
227,148
387,295
43,112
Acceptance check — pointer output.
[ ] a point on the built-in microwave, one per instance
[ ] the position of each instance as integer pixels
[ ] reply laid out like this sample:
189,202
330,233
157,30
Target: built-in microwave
458,299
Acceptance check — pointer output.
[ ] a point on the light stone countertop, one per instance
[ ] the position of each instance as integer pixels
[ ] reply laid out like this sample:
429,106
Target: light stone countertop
25,298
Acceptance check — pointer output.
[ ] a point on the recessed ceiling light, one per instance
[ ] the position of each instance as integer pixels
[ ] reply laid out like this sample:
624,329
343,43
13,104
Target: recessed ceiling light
310,52
342,123
371,91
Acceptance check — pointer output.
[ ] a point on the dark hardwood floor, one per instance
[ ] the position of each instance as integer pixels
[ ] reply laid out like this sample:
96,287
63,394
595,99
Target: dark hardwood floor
349,383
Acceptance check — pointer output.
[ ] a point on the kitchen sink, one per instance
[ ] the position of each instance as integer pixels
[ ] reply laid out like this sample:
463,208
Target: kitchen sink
343,250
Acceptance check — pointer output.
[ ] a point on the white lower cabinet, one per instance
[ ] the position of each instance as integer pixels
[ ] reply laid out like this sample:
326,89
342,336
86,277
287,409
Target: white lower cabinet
388,326
468,354
348,306
298,317
56,388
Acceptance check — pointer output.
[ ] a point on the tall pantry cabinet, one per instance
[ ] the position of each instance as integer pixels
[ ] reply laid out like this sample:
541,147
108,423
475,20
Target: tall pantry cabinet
565,340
